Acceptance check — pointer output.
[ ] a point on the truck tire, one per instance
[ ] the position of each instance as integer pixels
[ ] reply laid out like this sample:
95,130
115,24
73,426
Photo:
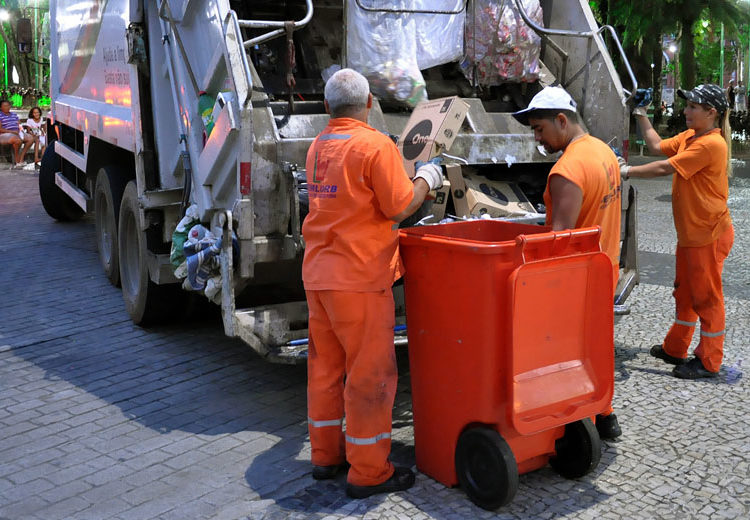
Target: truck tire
110,184
145,301
56,202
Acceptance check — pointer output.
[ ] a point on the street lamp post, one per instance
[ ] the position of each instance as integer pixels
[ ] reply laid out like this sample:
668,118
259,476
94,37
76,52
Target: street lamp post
721,58
4,17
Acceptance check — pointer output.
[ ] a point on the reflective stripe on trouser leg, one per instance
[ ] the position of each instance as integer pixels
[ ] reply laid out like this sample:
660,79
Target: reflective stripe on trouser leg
363,323
326,363
707,263
678,339
366,441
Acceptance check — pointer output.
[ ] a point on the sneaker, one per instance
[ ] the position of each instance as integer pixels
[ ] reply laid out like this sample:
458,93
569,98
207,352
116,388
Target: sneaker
402,478
658,352
693,369
607,426
328,472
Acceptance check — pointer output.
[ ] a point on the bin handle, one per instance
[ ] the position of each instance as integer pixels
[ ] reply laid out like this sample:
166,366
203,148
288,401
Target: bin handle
560,239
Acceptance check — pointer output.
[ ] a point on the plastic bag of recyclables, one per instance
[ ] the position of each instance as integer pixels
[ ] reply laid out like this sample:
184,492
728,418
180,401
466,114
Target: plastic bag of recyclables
440,37
201,253
389,49
177,254
500,47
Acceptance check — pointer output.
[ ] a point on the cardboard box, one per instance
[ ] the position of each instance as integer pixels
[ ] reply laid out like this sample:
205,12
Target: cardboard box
476,195
431,129
440,202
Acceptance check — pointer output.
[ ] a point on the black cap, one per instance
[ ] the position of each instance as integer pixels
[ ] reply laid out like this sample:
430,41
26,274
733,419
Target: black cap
711,95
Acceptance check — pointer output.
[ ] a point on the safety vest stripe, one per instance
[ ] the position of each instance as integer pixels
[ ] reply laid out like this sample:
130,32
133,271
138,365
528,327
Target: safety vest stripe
686,323
331,137
364,441
321,424
712,334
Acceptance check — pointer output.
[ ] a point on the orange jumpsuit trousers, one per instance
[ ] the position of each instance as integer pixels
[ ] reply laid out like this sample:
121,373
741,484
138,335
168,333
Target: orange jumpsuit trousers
698,293
351,337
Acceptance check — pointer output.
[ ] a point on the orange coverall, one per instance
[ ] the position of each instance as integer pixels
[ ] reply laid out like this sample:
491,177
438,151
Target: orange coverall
705,235
356,181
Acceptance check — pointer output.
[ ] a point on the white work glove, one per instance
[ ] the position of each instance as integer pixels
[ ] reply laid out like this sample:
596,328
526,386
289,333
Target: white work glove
642,98
624,168
432,174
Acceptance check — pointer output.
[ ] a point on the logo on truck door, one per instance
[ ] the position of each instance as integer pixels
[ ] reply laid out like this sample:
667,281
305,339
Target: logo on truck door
84,49
416,140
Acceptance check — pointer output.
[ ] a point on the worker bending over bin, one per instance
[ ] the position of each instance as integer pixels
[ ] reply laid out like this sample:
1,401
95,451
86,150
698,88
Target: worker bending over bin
583,188
359,191
700,157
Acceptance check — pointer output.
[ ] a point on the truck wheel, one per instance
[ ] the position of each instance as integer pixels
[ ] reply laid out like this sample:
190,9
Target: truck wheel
110,184
56,202
486,468
578,451
144,300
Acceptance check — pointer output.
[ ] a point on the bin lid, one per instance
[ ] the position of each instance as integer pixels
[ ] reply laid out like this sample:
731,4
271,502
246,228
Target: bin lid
561,344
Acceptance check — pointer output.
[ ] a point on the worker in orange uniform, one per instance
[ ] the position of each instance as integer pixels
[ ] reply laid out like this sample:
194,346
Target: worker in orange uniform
583,188
358,192
700,157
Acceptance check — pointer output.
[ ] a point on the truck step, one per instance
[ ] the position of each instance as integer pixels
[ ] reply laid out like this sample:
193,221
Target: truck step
269,329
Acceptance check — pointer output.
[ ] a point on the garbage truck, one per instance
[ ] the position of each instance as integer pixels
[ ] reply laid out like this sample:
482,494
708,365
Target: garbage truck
168,108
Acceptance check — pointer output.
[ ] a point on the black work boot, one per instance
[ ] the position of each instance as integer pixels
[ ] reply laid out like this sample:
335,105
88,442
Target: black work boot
328,472
658,352
693,369
402,479
607,426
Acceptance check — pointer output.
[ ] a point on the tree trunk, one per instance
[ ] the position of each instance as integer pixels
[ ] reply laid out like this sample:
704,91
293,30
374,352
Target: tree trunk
15,58
687,54
657,60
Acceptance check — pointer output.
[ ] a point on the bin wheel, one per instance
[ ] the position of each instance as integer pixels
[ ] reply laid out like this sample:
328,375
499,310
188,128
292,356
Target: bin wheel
578,451
110,184
486,468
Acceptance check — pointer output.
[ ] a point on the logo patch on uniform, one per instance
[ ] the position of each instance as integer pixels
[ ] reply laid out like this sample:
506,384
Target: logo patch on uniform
319,174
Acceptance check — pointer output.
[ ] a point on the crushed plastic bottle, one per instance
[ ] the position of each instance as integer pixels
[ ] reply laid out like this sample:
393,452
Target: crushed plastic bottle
734,374
206,108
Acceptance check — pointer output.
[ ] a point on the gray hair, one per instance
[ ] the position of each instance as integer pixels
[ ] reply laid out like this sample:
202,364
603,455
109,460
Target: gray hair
347,89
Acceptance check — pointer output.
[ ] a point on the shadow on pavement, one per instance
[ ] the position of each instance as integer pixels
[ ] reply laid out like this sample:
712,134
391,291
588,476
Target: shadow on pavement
282,476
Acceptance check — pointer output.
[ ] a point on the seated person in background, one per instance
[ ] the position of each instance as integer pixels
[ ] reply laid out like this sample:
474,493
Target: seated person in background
36,126
10,133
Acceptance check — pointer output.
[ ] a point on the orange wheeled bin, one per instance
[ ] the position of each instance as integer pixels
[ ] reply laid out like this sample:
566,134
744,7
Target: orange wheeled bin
511,351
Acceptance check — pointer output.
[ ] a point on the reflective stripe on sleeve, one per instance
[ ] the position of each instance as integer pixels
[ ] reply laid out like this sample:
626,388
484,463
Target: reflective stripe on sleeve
364,441
330,137
686,323
322,424
712,334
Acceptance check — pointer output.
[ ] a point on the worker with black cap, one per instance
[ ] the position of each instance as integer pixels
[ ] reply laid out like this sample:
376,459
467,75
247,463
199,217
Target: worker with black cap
700,158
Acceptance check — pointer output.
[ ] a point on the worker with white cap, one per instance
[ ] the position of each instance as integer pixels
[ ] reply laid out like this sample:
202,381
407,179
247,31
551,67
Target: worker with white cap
583,188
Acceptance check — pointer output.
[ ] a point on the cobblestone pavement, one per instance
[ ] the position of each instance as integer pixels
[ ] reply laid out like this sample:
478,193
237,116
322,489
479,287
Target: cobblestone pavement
100,419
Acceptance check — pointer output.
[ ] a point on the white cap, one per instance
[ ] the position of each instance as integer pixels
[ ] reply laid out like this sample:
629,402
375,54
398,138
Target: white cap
549,98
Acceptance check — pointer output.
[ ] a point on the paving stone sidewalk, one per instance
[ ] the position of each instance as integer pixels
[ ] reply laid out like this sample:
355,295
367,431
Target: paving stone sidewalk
100,419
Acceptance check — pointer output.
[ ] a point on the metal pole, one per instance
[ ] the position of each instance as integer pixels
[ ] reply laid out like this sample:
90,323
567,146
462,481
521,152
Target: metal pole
36,42
721,57
5,58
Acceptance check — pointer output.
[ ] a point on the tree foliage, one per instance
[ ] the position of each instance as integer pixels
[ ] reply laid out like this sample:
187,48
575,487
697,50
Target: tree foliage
24,63
642,22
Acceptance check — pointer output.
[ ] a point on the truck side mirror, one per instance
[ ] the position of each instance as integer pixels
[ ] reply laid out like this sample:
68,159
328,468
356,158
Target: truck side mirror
24,35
